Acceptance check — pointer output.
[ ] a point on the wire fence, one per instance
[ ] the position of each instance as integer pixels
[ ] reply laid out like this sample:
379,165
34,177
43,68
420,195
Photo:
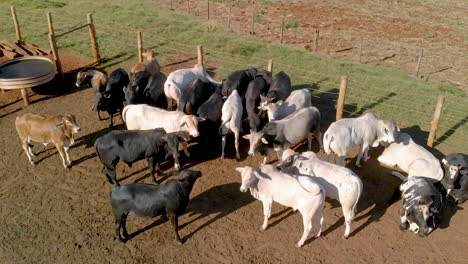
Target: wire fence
413,109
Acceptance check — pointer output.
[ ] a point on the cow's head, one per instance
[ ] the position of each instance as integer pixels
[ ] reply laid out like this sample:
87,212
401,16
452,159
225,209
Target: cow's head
255,139
190,123
248,177
150,54
254,121
82,79
187,178
389,131
130,94
452,175
172,144
264,101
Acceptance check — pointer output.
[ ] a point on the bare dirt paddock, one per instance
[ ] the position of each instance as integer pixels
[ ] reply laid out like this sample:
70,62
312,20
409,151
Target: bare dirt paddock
53,215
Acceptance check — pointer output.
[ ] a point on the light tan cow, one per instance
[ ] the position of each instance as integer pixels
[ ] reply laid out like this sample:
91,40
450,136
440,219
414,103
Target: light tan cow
58,130
150,65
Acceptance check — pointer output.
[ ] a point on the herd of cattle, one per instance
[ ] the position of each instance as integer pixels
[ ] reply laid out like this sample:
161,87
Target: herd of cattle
277,118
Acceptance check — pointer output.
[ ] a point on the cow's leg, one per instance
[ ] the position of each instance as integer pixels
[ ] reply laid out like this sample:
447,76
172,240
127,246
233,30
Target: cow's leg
118,225
307,221
99,115
29,145
266,212
318,135
403,220
341,160
111,175
124,226
176,162
264,160
236,141
175,224
223,143
363,150
111,120
169,103
366,155
153,166
348,214
185,145
61,150
319,219
28,151
67,156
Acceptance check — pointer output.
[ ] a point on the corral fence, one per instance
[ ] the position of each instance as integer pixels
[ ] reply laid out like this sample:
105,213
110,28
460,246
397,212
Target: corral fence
437,124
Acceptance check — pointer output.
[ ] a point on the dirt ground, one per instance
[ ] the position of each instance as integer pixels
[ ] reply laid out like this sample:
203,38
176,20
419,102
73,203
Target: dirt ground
393,32
54,215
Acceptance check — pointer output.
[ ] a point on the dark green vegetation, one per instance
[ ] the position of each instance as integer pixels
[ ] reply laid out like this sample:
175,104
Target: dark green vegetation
389,93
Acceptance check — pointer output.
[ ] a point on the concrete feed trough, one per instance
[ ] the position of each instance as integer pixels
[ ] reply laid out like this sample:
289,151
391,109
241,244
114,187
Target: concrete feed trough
26,72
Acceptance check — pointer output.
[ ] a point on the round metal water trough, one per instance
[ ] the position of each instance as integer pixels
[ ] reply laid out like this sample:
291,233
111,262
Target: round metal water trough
26,72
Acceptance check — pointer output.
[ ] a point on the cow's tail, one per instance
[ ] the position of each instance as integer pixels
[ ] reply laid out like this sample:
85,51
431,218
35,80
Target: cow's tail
97,151
359,184
327,139
222,125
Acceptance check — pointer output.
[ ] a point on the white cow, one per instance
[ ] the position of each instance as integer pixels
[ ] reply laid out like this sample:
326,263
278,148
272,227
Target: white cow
180,79
231,120
412,158
340,183
301,193
143,117
366,131
296,100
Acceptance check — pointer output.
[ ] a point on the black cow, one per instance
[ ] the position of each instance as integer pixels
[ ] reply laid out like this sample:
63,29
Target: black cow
130,146
111,100
238,80
455,179
211,111
280,88
422,205
145,200
258,86
195,95
134,90
154,91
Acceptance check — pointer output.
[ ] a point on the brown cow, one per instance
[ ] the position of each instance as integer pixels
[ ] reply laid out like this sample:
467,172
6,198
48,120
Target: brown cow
45,129
150,65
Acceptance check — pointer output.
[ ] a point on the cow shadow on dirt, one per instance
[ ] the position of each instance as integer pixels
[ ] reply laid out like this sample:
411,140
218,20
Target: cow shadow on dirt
218,201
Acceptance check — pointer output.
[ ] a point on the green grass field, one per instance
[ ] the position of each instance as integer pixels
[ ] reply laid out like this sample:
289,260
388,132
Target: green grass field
388,93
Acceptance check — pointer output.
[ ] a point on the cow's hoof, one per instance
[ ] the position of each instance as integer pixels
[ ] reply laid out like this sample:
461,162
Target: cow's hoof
238,156
179,241
187,154
403,227
263,228
345,237
358,165
33,163
298,245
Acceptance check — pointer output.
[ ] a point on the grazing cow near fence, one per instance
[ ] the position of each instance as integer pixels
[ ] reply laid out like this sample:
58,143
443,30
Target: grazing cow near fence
150,65
280,88
143,200
96,79
134,90
340,183
58,130
366,131
412,158
238,80
301,193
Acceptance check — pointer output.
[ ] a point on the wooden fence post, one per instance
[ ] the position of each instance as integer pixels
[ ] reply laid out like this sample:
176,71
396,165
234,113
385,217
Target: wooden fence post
140,46
208,9
270,65
50,24
282,29
435,121
360,50
229,16
53,47
92,36
200,54
15,21
24,94
317,32
188,6
419,62
341,97
252,29
172,5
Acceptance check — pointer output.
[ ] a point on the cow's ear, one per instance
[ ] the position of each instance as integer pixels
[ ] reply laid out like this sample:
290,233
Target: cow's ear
264,140
200,119
61,124
246,136
444,161
240,169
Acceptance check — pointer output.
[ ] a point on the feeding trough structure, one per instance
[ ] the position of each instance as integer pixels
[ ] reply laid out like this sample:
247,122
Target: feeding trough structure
26,72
